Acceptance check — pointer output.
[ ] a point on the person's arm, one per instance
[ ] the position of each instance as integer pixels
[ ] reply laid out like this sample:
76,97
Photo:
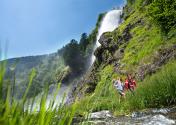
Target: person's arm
115,83
126,85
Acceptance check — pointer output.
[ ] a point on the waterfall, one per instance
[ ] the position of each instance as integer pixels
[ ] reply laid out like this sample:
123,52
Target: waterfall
109,23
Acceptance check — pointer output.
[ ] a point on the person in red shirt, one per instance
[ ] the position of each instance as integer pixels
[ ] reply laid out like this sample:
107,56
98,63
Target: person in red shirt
130,83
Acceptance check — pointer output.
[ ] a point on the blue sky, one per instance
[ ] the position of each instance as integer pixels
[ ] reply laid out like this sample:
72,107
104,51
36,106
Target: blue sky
35,27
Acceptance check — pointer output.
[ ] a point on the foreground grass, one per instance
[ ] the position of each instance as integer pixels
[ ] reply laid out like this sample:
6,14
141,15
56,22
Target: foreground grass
14,112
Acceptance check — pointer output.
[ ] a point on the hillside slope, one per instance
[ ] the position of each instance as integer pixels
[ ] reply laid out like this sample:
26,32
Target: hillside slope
18,69
142,45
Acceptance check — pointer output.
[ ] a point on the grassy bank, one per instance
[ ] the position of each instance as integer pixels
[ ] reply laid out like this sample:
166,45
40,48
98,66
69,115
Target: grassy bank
155,91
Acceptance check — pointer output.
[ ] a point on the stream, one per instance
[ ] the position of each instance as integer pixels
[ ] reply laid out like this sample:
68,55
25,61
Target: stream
163,116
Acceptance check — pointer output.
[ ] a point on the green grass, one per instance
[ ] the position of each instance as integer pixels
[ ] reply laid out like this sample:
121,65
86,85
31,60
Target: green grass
155,91
144,43
146,40
12,112
147,37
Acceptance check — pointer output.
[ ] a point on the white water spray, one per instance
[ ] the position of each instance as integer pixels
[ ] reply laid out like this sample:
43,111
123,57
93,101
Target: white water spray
109,23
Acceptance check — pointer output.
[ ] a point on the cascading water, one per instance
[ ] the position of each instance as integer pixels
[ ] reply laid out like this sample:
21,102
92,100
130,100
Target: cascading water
109,23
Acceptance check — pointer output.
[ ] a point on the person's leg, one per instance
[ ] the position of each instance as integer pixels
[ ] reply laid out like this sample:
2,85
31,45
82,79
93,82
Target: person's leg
121,95
132,90
118,95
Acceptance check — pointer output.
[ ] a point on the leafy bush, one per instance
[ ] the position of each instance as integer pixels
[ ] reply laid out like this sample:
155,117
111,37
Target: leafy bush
163,13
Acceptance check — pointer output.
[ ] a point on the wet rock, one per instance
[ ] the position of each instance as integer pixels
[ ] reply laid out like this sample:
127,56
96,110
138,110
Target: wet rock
126,36
159,120
105,41
148,117
98,53
137,114
102,114
98,122
163,111
118,54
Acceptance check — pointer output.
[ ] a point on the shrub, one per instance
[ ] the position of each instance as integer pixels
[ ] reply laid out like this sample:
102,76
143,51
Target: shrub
163,13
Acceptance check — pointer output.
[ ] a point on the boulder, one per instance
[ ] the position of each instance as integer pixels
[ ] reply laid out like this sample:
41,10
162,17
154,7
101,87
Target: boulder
105,41
101,115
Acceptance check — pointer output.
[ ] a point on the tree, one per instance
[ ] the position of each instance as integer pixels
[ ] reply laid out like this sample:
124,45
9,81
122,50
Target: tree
83,41
73,57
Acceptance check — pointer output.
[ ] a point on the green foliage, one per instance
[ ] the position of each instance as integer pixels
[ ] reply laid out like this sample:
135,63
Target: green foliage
83,42
163,13
73,56
2,72
141,4
33,74
130,2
